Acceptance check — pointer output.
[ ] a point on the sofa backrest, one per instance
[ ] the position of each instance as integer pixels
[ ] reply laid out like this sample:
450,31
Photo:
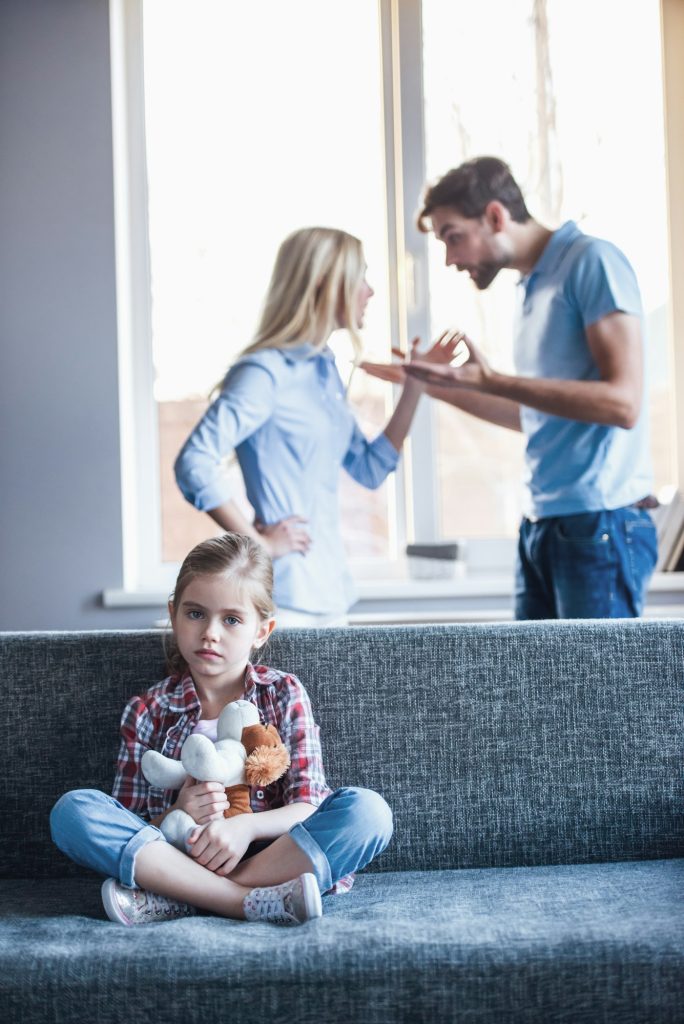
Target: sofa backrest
495,745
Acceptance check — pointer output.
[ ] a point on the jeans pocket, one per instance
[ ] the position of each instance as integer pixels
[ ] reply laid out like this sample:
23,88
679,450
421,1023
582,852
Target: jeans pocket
587,528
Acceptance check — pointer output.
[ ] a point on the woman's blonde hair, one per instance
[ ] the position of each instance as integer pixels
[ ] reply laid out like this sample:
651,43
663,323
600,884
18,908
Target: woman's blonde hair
313,289
236,557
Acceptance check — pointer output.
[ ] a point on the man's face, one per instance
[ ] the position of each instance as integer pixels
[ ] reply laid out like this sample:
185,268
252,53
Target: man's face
472,243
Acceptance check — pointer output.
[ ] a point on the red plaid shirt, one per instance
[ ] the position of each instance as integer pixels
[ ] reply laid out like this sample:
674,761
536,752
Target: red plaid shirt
164,717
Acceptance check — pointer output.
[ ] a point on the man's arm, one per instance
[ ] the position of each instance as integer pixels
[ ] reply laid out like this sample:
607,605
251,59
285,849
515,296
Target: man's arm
614,399
500,411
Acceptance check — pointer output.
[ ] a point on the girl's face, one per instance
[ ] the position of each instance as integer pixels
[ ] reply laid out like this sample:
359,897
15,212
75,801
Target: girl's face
216,627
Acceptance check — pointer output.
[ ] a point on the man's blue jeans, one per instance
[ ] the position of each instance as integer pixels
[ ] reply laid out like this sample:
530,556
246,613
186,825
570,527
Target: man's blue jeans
595,565
349,829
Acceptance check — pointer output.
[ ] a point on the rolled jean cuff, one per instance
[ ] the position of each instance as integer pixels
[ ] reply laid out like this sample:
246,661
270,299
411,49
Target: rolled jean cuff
308,845
148,834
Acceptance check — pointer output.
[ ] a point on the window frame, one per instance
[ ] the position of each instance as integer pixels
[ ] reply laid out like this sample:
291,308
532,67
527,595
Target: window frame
415,487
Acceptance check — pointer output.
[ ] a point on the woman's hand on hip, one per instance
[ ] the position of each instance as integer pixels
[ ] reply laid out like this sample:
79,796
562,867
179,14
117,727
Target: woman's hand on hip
287,535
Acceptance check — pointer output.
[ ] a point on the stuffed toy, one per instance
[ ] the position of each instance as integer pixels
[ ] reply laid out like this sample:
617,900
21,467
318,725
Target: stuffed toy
245,754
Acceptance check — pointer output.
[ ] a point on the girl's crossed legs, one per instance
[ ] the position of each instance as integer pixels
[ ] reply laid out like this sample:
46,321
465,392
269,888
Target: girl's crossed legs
349,829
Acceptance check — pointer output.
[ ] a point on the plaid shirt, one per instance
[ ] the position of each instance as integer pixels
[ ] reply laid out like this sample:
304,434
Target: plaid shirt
164,717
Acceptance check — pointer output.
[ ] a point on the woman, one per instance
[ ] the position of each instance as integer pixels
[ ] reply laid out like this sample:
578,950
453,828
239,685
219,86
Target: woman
282,408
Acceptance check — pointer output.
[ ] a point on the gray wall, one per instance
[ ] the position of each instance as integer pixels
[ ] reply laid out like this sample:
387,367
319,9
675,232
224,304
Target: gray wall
59,470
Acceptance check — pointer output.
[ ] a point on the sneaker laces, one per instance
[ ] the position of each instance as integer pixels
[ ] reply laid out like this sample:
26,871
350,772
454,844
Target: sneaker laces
161,906
271,904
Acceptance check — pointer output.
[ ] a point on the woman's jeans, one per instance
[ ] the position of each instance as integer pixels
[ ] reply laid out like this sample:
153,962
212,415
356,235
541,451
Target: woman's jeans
349,829
594,565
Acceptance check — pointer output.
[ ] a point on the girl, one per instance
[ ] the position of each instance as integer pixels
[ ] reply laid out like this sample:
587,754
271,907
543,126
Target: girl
308,839
283,409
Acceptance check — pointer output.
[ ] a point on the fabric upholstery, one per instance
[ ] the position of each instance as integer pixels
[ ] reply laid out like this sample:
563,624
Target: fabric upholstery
573,944
536,873
495,745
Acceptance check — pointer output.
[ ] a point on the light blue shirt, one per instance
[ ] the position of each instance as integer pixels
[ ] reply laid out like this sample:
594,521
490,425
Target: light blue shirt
286,416
576,467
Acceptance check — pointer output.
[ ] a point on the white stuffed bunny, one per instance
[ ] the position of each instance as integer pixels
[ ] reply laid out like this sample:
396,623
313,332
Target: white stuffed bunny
245,753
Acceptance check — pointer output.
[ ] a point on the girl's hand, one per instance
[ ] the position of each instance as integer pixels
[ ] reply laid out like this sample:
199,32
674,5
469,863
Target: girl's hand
221,845
203,801
284,536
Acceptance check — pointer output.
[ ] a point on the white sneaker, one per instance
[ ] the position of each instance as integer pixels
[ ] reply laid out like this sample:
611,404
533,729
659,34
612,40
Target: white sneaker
289,903
137,906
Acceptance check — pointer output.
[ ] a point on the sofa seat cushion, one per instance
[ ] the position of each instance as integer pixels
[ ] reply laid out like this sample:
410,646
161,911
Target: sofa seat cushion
574,943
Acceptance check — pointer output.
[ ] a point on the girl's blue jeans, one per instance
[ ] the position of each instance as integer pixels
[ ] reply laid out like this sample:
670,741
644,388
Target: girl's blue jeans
349,829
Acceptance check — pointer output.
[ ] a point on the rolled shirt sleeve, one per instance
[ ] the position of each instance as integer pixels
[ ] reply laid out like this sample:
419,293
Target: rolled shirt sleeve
370,462
245,403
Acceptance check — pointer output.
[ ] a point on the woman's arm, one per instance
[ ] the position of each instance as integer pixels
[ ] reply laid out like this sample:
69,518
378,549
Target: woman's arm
279,538
440,354
244,405
369,462
401,419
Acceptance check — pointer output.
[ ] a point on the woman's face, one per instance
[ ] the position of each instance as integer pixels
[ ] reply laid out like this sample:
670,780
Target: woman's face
363,294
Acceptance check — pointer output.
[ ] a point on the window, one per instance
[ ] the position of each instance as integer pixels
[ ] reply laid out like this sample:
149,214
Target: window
254,141
233,127
580,151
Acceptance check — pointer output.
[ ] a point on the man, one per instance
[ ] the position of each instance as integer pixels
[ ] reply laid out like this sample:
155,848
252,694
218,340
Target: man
587,544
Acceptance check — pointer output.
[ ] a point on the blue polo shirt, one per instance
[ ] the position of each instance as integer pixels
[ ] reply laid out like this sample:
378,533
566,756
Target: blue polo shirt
576,467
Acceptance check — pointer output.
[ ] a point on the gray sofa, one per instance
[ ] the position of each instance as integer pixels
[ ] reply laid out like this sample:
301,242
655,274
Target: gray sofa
536,872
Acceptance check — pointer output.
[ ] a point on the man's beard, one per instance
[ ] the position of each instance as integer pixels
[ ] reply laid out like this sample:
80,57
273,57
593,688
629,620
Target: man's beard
484,274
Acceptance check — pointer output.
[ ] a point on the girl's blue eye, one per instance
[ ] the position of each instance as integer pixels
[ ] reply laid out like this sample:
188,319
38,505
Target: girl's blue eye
231,620
194,614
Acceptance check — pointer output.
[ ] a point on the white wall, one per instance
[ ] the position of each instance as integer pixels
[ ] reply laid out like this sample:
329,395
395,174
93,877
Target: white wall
59,460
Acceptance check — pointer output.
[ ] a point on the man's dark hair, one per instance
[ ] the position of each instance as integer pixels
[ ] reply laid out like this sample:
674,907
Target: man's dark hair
471,187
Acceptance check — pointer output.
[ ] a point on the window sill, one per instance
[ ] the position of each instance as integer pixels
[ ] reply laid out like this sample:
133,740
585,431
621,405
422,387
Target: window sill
473,585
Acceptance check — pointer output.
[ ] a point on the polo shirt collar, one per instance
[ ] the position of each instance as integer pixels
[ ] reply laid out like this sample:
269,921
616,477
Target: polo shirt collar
554,249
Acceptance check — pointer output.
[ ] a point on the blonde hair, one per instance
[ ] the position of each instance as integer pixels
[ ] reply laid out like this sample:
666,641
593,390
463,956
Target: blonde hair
313,289
236,557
